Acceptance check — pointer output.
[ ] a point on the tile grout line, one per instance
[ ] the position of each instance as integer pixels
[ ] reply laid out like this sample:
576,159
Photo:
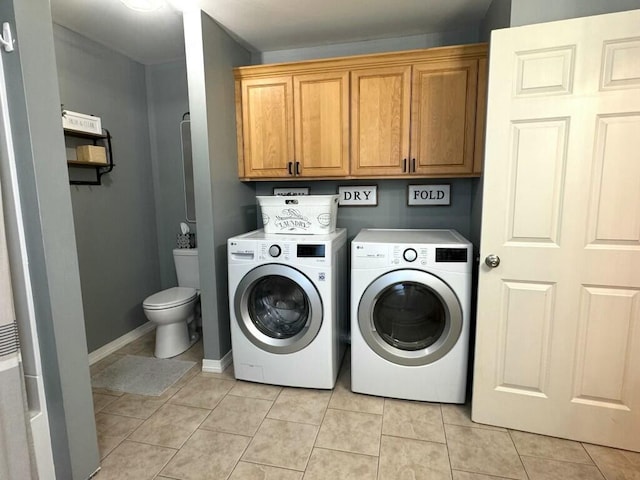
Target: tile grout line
446,443
273,402
524,469
127,437
594,461
183,443
378,473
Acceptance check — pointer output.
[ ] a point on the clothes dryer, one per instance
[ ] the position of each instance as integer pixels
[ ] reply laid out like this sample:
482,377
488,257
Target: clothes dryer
288,307
410,300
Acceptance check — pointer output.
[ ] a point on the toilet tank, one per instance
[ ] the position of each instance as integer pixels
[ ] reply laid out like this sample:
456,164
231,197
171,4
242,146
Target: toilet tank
186,262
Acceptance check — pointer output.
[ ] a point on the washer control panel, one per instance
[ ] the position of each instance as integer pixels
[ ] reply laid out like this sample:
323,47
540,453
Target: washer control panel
300,250
287,252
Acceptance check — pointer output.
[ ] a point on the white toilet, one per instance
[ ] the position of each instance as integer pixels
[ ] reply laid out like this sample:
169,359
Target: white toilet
173,310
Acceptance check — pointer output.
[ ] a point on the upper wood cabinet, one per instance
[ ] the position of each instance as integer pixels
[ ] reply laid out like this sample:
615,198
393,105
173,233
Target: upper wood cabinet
380,116
407,114
267,112
321,121
443,117
295,126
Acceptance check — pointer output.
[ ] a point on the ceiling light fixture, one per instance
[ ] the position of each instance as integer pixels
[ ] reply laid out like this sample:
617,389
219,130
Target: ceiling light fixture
143,5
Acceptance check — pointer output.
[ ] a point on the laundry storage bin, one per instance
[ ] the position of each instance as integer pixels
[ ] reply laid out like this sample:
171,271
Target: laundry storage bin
301,214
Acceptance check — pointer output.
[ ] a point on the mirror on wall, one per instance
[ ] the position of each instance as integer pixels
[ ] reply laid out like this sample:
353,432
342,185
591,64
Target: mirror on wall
187,165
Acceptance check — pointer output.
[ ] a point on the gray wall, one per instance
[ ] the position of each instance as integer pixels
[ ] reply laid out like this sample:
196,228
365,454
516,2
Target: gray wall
49,229
456,37
225,206
525,12
392,210
498,16
115,223
168,101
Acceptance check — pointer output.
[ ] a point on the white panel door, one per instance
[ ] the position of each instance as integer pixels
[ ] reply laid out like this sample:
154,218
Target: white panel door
558,328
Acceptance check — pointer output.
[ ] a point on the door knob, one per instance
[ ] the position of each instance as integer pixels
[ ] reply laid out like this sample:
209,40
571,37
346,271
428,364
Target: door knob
492,260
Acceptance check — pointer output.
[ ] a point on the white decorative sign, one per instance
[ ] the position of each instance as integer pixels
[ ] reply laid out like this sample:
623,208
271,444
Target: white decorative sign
81,122
358,195
293,191
429,195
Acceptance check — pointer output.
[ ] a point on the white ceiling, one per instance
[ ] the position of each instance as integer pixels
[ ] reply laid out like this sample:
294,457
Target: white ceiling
263,25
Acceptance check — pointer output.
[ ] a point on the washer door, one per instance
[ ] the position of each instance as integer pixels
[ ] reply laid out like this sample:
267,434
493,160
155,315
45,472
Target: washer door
278,308
410,317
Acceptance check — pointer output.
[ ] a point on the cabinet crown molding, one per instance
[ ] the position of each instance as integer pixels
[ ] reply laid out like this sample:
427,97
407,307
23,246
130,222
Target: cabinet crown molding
375,60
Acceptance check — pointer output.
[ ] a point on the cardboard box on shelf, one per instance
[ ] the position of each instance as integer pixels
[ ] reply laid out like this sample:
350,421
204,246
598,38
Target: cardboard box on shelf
91,154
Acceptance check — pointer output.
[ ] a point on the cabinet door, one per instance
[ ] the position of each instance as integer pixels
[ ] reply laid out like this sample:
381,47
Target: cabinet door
321,105
380,115
267,126
443,111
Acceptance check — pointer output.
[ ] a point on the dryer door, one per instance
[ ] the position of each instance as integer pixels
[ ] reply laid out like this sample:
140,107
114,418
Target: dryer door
410,317
278,308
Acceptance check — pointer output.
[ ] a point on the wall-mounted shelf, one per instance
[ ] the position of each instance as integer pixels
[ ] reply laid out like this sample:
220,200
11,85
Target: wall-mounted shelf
100,168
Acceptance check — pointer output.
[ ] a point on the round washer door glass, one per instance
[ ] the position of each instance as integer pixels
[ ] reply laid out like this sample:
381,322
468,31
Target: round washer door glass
410,317
278,308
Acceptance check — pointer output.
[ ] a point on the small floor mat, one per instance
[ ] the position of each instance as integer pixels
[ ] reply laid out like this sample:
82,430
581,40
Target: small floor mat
141,375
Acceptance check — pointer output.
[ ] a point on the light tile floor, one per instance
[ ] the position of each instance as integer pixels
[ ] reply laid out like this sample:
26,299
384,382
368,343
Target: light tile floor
210,426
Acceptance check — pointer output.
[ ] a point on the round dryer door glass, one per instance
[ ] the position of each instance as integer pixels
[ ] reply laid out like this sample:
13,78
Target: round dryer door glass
409,316
278,307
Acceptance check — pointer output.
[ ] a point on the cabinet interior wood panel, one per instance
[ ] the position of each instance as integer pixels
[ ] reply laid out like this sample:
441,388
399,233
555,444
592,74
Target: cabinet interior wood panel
380,115
267,112
443,116
322,124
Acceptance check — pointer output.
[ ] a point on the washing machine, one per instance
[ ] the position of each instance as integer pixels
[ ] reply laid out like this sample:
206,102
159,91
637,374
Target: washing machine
410,300
289,307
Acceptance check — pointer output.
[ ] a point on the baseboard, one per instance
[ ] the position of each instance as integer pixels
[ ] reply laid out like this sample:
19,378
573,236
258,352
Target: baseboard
118,343
216,366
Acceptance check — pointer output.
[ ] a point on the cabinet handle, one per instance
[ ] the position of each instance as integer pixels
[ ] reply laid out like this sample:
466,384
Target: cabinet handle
290,167
404,165
297,168
413,165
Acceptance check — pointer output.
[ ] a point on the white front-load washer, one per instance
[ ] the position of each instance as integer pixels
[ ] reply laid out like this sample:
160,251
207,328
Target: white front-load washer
288,306
410,300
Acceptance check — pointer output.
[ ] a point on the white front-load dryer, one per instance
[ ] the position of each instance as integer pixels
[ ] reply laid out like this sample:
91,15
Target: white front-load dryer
410,300
288,306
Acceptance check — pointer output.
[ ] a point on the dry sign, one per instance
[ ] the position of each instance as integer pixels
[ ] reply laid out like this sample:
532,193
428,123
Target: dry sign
358,195
429,195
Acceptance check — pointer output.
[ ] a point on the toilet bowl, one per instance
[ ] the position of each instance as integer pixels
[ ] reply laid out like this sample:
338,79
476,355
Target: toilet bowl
174,310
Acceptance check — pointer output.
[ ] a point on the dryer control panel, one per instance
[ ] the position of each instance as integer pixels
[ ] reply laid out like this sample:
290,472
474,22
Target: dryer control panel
420,256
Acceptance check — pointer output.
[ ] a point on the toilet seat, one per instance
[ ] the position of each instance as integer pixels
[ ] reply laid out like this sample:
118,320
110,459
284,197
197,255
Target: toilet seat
169,298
